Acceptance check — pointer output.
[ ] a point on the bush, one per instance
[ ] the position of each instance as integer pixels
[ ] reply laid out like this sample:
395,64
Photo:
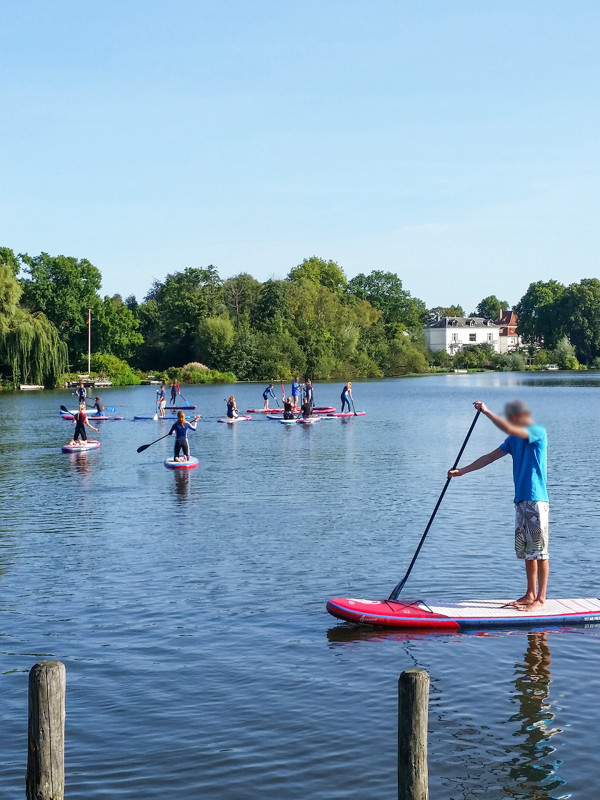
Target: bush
474,356
115,369
512,362
440,358
564,355
203,375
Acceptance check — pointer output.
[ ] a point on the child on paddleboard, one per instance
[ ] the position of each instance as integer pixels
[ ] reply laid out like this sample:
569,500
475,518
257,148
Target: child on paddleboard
288,409
80,420
526,442
267,394
162,401
180,429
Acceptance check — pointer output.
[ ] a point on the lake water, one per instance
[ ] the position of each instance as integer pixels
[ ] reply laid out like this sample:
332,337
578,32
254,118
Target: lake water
190,608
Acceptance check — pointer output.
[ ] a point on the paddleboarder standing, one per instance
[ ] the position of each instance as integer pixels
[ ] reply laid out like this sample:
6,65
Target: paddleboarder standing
295,392
267,394
80,420
526,442
162,401
347,393
309,393
174,391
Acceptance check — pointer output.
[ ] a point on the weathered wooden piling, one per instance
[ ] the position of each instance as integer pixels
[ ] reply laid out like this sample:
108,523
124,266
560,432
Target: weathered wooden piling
413,712
46,731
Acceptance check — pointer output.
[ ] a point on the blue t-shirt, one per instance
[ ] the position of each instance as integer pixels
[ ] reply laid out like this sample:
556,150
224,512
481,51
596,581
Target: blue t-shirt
529,464
295,389
181,430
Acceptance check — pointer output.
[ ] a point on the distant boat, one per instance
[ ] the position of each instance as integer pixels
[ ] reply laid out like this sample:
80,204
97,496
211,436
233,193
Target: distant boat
30,387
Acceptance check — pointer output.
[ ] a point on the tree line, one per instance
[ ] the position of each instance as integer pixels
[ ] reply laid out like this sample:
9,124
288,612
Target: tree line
314,322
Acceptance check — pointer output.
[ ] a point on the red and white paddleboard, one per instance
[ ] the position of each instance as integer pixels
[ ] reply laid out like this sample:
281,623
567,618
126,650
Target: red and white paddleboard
463,615
347,414
232,420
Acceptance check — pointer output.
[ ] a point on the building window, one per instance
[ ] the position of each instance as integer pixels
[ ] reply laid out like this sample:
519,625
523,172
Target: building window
455,337
513,341
490,337
472,337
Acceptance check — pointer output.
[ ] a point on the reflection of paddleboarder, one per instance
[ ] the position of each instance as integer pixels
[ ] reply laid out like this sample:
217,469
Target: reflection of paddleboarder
80,420
532,685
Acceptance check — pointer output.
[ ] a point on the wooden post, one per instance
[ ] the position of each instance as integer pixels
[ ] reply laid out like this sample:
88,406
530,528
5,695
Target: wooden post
46,753
413,707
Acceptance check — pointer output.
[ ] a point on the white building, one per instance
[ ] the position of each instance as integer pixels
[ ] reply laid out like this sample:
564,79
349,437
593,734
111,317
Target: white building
453,333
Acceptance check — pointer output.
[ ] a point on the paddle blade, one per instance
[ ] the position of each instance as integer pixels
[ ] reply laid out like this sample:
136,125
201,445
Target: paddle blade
64,408
142,448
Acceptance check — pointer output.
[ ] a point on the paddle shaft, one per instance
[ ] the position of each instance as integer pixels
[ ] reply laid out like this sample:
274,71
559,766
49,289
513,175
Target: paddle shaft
400,586
146,446
353,409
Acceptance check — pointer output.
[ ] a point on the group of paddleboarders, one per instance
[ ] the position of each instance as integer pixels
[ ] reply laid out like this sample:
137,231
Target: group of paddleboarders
302,397
161,396
527,443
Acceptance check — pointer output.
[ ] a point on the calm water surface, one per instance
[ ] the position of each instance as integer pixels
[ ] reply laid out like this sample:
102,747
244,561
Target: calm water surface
190,609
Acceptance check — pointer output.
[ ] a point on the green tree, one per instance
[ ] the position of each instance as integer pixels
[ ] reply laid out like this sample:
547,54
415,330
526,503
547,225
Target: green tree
30,347
172,313
490,307
564,355
317,270
537,312
447,311
215,339
474,356
241,295
578,318
115,331
63,288
384,291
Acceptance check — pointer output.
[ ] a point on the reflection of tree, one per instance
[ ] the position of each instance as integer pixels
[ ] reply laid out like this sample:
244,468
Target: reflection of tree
533,768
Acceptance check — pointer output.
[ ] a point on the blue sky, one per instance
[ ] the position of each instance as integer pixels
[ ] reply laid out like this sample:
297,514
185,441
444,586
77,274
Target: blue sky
455,143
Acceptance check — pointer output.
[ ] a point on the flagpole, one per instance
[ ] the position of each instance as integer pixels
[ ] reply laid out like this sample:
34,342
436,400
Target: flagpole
89,341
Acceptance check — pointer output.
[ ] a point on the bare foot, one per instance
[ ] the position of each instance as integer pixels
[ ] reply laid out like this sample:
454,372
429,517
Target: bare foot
522,601
535,605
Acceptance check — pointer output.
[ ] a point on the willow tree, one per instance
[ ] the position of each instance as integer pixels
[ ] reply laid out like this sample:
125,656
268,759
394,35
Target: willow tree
30,347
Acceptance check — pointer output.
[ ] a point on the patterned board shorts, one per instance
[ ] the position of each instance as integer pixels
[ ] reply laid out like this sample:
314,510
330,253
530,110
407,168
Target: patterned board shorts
531,530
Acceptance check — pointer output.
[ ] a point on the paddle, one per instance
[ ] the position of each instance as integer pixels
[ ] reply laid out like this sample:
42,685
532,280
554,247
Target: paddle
353,409
64,408
400,586
146,446
183,398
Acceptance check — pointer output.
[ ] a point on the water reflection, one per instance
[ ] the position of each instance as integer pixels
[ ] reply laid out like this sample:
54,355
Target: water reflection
79,463
533,768
529,765
182,484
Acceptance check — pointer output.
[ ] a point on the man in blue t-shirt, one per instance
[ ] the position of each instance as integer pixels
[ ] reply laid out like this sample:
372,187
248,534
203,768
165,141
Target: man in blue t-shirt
527,444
